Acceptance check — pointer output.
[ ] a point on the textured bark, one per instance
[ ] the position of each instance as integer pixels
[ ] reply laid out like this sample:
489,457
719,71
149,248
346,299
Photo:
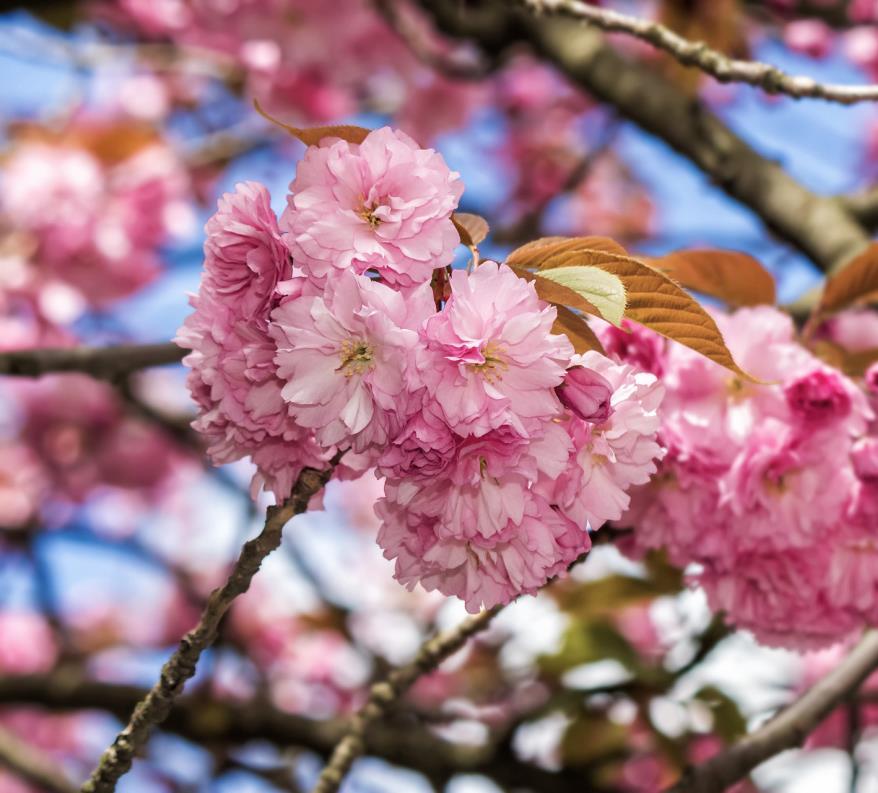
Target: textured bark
209,721
105,362
789,728
821,227
181,666
385,693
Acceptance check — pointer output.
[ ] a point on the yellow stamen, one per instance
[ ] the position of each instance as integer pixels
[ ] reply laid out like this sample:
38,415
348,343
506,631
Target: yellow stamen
368,214
494,364
355,356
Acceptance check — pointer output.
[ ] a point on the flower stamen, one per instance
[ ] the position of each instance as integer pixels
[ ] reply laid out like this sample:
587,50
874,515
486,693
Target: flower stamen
493,365
355,356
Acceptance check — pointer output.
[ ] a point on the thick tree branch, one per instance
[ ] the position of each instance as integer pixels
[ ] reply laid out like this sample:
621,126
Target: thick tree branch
789,728
210,721
385,693
105,362
818,226
154,708
32,765
863,206
701,56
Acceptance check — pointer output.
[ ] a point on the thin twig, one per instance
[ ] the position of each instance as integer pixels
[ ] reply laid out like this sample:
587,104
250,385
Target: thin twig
789,728
449,64
31,765
530,224
105,362
154,708
819,226
31,45
384,693
710,61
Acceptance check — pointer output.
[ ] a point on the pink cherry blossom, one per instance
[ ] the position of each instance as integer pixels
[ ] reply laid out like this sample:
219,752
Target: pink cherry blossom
608,458
490,357
779,597
343,356
245,258
382,205
818,397
765,486
482,572
811,37
633,344
109,214
421,450
586,394
234,378
27,646
82,436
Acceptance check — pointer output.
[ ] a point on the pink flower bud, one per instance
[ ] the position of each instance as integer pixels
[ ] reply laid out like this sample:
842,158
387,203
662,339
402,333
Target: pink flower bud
818,397
587,394
864,457
871,378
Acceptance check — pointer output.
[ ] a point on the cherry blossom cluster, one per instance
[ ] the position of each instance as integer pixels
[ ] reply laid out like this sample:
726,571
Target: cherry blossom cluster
333,330
278,50
68,438
769,491
114,205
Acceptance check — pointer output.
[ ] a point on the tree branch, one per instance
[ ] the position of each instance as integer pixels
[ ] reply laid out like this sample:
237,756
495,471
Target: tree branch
385,693
818,226
863,206
103,362
32,765
701,56
789,728
449,65
154,708
207,720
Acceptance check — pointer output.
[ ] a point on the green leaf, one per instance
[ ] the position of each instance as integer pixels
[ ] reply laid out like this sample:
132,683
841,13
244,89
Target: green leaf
728,722
590,739
587,643
603,290
590,599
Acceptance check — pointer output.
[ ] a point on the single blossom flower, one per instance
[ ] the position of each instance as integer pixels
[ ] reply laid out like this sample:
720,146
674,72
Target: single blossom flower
245,258
383,205
490,358
344,357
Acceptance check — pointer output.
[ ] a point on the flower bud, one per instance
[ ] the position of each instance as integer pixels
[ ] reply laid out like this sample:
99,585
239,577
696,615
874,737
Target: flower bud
818,397
871,379
587,394
864,456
